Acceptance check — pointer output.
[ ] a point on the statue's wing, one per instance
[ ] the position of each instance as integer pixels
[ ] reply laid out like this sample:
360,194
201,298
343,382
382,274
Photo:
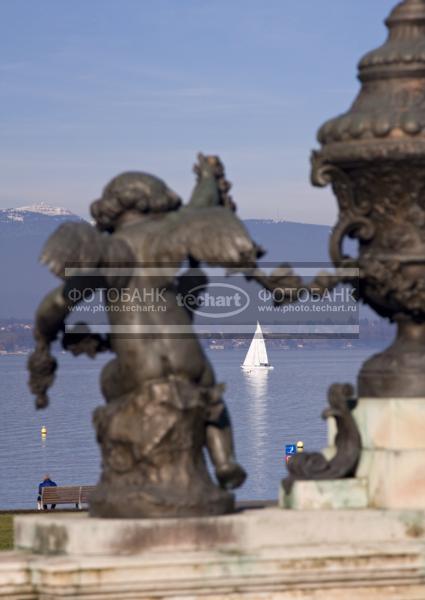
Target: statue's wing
77,245
73,245
212,235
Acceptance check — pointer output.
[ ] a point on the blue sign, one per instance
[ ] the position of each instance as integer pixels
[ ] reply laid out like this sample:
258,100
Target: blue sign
290,449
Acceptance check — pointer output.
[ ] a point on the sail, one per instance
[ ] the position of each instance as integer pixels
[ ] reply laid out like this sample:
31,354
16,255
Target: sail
257,353
261,346
251,355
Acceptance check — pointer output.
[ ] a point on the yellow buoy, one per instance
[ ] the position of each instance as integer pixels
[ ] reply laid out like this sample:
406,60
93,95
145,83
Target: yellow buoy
43,431
300,447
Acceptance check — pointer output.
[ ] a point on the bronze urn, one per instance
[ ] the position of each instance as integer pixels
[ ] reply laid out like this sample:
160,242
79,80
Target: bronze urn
374,157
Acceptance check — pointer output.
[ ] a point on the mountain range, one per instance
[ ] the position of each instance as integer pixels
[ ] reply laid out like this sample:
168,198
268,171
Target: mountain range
24,230
23,281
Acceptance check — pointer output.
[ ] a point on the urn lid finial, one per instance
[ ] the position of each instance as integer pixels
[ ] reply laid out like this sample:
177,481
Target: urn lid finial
389,113
407,10
404,49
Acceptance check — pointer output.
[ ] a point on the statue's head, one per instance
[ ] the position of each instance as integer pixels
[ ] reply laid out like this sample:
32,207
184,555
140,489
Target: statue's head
132,192
339,395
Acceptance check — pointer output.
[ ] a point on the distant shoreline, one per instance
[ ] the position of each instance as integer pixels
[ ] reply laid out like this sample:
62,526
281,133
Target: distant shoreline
331,345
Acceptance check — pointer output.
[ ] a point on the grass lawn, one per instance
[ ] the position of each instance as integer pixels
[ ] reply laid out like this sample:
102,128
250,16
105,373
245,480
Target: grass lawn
6,532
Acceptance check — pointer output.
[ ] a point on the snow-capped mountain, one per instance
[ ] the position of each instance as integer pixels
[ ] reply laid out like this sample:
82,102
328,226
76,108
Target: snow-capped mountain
45,209
32,216
23,232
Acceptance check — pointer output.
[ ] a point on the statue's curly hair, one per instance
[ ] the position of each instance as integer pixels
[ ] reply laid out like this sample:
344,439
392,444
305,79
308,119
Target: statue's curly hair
132,191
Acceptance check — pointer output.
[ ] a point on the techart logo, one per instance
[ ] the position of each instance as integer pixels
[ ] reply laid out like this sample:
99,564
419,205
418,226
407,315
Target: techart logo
218,301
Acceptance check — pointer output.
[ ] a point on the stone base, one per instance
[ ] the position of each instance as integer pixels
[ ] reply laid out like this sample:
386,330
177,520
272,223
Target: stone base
117,502
324,495
261,554
396,479
393,454
365,573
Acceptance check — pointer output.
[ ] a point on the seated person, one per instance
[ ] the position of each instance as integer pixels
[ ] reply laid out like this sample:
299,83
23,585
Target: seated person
47,482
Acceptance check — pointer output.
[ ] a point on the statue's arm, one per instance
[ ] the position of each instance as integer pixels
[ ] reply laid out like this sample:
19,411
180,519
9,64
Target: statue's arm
51,315
49,321
212,187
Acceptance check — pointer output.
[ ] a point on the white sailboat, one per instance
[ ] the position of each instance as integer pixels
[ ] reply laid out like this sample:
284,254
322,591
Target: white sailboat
256,358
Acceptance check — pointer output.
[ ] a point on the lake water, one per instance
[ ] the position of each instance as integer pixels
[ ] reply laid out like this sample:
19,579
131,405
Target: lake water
268,411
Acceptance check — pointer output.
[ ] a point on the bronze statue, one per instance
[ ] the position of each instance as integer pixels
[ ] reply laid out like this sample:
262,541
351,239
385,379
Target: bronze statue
163,404
313,465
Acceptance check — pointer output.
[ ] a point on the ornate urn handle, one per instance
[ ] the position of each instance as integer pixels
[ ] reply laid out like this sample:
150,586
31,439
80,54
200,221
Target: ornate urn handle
354,221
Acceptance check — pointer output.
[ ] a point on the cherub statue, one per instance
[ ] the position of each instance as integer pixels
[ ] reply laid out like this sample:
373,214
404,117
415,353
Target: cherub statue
163,404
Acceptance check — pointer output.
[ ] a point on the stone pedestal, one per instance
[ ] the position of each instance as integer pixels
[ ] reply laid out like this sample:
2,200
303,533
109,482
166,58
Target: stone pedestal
393,456
391,472
261,554
325,495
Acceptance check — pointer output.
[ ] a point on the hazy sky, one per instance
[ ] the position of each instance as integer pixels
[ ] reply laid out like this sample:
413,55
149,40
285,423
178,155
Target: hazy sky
90,88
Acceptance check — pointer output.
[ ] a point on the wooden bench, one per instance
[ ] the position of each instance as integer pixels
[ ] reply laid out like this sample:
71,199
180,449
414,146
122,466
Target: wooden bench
71,494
